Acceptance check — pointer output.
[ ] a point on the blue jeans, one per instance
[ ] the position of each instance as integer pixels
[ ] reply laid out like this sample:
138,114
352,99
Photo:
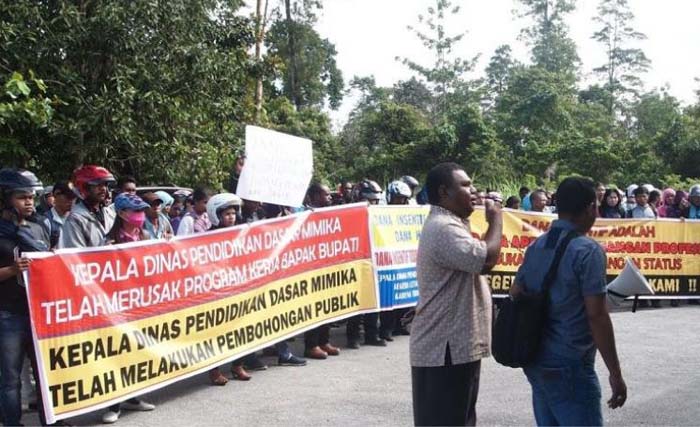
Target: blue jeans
565,393
16,343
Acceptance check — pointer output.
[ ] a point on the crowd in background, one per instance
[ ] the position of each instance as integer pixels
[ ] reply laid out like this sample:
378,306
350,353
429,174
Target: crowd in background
637,201
93,208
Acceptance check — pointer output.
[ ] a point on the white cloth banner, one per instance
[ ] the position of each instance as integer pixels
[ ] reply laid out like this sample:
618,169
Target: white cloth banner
278,167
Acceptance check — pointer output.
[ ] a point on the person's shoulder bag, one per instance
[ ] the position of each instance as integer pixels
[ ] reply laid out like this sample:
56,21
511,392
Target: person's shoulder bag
521,319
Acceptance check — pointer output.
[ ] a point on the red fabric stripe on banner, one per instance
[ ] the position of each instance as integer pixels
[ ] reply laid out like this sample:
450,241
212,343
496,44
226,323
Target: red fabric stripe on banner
67,288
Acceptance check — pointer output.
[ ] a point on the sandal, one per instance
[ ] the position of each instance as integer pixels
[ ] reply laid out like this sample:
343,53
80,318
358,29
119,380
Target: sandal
217,378
239,373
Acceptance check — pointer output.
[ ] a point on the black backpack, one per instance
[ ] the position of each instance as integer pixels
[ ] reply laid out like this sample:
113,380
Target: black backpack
520,323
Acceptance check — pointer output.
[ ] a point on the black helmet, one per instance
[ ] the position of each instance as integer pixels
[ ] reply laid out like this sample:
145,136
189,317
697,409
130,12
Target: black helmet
369,190
12,180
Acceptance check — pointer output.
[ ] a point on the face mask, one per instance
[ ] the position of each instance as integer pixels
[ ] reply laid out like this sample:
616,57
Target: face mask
137,219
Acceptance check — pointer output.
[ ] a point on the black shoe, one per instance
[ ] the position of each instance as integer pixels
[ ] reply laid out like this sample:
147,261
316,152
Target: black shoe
386,337
402,331
353,344
255,365
376,342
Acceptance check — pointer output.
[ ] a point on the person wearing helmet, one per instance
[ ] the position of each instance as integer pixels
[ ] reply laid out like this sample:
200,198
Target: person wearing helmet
89,225
317,343
157,225
414,185
21,230
223,211
398,193
371,192
90,219
46,202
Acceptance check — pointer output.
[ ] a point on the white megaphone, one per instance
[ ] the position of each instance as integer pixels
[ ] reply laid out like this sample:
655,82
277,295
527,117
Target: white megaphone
629,283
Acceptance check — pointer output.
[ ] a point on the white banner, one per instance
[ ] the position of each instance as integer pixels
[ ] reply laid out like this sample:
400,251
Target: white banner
278,167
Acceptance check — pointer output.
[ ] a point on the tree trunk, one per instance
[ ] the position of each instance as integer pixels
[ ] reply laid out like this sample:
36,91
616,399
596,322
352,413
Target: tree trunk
293,84
260,18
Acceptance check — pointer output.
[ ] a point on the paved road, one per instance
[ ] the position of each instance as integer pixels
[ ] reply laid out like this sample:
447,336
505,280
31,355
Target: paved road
659,348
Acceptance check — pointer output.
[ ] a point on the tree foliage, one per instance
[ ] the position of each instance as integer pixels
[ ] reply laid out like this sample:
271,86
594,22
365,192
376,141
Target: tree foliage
623,63
142,84
310,74
552,48
163,90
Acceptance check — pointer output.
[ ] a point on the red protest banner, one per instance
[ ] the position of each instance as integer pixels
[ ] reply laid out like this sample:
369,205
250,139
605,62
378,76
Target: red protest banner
119,321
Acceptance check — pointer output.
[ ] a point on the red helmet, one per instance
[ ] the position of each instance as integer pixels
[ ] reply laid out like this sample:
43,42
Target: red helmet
90,175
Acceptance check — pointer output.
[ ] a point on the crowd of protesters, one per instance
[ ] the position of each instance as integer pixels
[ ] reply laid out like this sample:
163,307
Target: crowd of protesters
94,209
636,201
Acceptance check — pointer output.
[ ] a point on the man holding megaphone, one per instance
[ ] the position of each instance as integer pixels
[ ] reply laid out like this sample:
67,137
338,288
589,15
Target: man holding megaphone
564,383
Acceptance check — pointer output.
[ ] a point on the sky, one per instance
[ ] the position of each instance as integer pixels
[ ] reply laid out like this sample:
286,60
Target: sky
369,34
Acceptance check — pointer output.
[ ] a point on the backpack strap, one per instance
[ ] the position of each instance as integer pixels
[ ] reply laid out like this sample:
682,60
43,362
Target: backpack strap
558,255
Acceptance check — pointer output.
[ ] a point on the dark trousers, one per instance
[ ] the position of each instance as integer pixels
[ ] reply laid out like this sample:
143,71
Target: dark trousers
316,337
370,322
445,395
16,343
391,321
387,321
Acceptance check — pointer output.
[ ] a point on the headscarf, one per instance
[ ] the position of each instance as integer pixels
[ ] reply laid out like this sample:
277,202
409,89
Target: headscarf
676,210
693,210
166,198
663,208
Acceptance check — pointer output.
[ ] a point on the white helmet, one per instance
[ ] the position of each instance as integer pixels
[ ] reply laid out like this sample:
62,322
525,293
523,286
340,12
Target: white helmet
220,202
398,188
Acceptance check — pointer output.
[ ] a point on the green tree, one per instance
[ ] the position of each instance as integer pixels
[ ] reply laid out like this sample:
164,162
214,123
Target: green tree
310,74
413,92
499,71
535,118
655,137
444,76
381,142
552,48
22,113
623,63
159,90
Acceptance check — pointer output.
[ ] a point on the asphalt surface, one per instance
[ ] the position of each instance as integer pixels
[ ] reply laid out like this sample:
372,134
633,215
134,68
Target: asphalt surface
659,350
